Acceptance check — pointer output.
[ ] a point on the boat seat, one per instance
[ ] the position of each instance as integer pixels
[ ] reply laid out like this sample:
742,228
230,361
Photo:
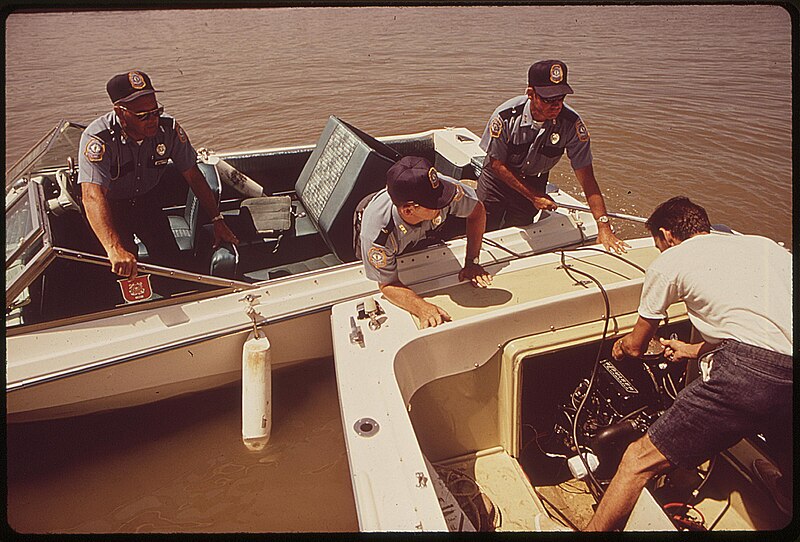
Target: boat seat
345,165
186,227
312,264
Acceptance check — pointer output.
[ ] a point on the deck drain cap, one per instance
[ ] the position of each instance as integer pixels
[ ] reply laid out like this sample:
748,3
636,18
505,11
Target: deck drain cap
366,427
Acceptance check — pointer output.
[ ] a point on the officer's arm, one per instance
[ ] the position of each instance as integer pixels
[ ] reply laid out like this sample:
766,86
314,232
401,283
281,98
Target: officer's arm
476,226
541,201
404,297
597,205
95,203
197,182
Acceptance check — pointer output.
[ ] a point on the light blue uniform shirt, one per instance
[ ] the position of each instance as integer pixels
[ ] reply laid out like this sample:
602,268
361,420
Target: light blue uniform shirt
380,259
108,158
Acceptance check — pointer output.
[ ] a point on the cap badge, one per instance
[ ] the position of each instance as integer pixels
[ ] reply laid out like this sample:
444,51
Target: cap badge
459,193
376,257
495,127
94,150
554,138
434,178
136,80
556,73
161,149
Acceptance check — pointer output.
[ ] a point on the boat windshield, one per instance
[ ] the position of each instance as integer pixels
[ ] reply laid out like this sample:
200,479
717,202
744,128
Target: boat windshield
50,259
27,244
49,153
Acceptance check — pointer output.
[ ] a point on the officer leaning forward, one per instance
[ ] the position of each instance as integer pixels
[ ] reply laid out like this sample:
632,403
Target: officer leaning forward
123,155
409,214
524,140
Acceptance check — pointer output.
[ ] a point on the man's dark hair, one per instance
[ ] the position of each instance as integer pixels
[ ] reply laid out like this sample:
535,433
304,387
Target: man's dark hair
679,216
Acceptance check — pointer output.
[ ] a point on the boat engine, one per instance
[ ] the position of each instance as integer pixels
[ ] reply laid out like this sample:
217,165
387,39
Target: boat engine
623,400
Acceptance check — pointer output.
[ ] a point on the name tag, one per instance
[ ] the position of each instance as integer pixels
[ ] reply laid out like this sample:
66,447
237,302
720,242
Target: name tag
161,162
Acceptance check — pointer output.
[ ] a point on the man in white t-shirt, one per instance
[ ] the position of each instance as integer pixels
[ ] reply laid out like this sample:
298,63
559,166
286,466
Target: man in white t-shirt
738,293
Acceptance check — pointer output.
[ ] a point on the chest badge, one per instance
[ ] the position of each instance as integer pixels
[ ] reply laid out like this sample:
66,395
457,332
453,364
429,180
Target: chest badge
436,220
554,138
161,149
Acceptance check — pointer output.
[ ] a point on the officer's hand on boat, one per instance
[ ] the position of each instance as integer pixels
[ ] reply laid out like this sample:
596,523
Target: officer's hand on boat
611,242
545,202
476,274
430,315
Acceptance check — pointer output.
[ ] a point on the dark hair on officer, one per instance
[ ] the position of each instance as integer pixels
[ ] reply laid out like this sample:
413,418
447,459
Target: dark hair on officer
679,216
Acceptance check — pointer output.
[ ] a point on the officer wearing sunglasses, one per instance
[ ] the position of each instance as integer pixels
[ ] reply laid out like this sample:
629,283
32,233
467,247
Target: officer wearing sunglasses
524,139
122,158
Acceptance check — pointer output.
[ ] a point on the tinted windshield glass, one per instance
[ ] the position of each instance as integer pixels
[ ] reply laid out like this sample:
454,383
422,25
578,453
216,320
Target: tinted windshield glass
50,152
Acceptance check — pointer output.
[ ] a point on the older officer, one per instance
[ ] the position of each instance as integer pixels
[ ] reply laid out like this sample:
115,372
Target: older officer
123,156
524,140
408,213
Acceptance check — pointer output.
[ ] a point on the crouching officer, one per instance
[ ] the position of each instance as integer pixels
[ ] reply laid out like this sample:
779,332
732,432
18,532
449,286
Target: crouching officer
409,214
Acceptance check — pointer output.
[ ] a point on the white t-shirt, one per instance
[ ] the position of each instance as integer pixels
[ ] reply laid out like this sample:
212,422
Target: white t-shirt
734,286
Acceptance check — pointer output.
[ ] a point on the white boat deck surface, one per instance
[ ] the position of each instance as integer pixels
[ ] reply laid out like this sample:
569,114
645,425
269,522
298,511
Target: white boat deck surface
377,380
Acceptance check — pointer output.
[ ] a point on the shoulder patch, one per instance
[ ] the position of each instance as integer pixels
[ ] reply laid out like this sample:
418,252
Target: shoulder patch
582,131
376,257
496,127
181,134
95,149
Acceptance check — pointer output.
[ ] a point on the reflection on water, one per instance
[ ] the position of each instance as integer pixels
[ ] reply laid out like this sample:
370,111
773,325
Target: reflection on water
691,100
180,465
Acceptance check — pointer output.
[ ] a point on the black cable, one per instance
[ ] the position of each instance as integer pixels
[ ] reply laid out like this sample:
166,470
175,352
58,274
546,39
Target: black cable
501,247
594,370
622,258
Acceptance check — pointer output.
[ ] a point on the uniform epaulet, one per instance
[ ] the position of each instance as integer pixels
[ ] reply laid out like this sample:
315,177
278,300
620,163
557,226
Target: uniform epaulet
383,236
166,122
106,135
511,112
568,115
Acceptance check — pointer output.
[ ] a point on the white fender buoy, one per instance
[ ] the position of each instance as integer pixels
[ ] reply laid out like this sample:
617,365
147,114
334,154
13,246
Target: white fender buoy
256,393
231,176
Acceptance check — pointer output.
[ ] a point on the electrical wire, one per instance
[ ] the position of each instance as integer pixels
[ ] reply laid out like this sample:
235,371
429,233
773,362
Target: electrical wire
719,517
589,472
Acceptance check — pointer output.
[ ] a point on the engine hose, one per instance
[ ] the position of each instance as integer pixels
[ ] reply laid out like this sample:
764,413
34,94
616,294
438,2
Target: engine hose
567,269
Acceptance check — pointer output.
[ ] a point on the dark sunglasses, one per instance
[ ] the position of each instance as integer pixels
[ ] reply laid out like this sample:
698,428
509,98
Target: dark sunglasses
144,115
554,99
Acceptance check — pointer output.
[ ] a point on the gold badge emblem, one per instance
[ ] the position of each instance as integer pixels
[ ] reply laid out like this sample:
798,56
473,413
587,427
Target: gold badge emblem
161,149
496,127
554,138
136,80
436,221
433,177
459,193
94,150
556,73
582,131
376,257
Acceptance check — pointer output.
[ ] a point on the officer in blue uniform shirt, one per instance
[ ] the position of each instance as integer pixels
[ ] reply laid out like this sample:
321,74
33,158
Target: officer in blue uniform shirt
524,140
122,157
407,214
